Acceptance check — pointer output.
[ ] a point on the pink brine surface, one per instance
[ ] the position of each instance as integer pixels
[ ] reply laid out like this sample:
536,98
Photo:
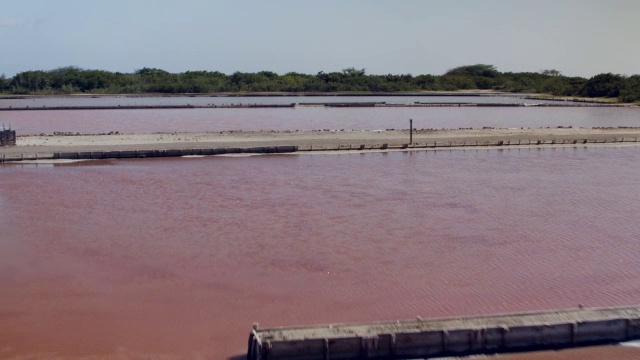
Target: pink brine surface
179,257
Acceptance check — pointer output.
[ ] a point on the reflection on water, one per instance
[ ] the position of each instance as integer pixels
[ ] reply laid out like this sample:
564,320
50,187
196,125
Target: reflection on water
57,163
180,256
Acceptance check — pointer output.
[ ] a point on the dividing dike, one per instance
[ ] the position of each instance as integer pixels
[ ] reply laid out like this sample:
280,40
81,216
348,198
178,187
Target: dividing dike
31,154
442,337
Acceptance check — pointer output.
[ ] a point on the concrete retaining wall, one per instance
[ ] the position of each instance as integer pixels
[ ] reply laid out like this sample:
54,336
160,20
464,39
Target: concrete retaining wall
447,337
129,154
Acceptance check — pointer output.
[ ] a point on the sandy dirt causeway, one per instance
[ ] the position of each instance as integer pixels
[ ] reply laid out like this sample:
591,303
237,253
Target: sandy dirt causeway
47,144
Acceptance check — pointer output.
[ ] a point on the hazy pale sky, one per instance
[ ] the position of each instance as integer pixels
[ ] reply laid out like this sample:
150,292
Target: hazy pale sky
577,37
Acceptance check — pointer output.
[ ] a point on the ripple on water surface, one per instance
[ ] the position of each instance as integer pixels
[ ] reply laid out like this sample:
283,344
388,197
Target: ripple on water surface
172,255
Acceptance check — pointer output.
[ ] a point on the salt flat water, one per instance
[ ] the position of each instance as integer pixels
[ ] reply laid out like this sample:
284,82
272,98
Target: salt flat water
178,257
251,100
313,118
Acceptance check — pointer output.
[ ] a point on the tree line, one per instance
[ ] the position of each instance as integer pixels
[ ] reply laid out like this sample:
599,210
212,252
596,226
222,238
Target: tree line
70,80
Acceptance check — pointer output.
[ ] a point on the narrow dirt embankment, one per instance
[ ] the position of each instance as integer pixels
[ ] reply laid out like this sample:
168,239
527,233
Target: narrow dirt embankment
46,144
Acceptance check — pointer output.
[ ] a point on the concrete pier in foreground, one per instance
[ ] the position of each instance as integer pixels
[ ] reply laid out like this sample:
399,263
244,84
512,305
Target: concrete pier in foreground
441,337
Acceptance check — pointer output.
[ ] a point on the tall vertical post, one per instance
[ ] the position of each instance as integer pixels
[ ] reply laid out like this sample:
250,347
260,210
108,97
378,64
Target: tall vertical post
410,131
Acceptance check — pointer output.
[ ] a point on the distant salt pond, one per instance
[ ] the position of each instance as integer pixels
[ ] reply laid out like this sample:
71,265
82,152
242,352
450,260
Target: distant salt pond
251,100
308,118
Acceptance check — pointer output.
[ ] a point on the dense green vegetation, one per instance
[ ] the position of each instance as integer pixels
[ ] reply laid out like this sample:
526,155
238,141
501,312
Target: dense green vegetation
70,80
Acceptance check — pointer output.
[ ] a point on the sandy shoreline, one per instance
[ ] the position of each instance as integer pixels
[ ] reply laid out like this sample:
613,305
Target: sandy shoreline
46,144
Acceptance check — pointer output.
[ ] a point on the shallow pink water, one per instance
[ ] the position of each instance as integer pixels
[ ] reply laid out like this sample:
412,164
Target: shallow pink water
178,257
252,100
311,118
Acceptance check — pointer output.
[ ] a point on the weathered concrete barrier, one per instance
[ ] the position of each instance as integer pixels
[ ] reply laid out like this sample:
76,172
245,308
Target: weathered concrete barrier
130,154
443,337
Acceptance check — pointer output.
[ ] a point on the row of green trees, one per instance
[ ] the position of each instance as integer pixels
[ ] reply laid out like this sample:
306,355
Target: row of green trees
69,80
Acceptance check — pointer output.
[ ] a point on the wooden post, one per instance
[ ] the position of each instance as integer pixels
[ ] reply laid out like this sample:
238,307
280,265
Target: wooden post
410,131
